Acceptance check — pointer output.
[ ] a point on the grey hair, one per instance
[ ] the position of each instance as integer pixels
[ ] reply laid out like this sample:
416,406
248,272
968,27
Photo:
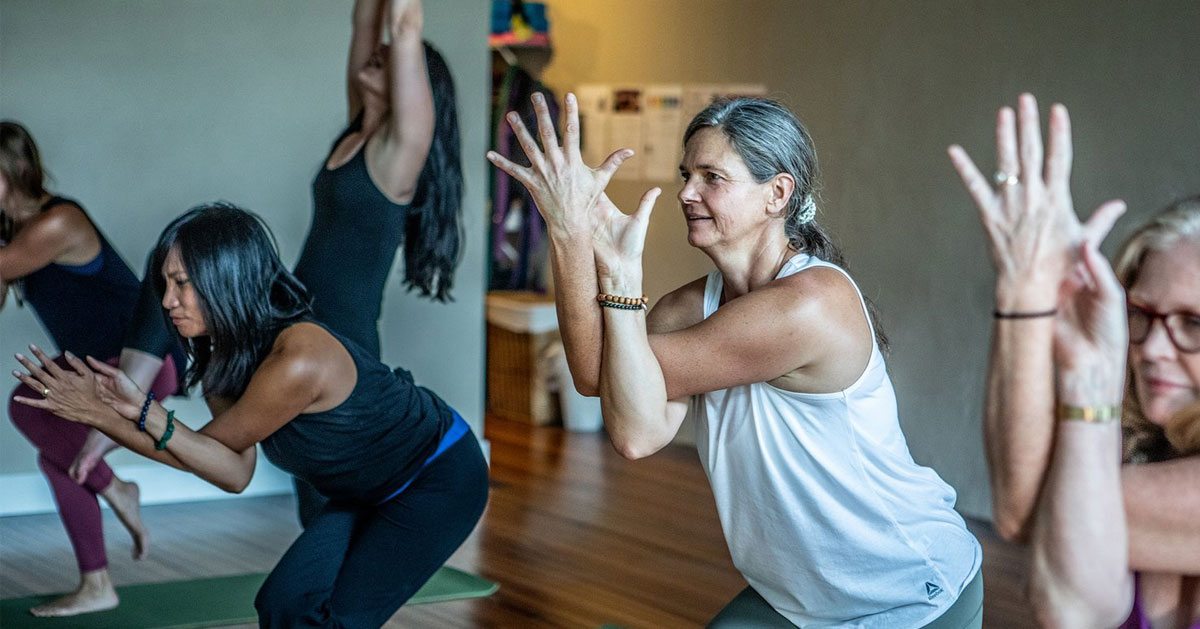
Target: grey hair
771,140
1180,221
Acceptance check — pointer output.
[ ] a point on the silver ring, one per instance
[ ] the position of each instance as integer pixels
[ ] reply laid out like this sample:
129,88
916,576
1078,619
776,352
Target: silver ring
1003,179
46,392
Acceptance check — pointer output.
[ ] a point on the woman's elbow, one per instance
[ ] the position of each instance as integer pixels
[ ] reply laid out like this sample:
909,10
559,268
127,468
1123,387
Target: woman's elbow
1010,523
1011,529
636,447
233,487
587,388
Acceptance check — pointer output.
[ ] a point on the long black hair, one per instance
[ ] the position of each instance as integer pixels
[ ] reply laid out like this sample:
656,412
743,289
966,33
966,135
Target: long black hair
246,293
433,233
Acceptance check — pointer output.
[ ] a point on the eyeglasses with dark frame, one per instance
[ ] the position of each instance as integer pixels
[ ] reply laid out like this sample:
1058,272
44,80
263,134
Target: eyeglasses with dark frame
1183,327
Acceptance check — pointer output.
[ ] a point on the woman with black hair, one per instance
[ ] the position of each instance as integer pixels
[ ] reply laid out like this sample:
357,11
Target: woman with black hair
406,478
392,177
87,298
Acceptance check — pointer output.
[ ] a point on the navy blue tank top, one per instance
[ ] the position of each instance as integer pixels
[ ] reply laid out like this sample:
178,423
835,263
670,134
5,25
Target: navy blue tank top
370,445
350,247
85,309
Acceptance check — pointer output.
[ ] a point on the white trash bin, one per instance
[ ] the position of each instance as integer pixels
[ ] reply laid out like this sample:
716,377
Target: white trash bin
579,412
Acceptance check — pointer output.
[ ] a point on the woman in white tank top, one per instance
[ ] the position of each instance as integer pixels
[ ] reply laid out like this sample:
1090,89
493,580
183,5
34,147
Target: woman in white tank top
824,510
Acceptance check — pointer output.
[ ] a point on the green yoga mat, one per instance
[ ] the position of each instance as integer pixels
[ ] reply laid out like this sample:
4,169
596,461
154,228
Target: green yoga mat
208,603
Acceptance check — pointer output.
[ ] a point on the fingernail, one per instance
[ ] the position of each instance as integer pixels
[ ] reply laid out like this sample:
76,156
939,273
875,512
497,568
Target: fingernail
19,356
570,98
512,116
537,97
16,373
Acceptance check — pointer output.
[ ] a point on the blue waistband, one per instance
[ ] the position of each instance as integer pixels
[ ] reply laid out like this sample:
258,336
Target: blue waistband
459,428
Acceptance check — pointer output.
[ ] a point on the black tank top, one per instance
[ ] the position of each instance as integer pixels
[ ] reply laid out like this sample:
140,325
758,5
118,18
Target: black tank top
350,247
369,445
85,309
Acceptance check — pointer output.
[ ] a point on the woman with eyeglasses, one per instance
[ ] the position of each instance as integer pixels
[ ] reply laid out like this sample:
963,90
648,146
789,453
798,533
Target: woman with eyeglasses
1109,494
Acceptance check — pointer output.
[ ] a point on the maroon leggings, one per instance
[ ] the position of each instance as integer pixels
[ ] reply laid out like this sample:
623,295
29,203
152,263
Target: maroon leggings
58,442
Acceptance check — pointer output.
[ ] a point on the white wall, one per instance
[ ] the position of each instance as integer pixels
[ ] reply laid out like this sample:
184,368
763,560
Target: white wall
143,108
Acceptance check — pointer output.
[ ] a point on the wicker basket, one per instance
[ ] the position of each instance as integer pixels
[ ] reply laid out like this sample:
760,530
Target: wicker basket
517,374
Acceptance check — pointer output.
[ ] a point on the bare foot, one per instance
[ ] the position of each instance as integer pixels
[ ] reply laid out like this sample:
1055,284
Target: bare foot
94,448
95,594
124,499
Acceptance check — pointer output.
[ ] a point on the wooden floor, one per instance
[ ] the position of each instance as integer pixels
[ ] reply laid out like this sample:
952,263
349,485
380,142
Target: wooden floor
575,535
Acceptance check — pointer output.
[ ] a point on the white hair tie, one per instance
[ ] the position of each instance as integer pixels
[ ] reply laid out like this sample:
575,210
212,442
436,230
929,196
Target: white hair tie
808,211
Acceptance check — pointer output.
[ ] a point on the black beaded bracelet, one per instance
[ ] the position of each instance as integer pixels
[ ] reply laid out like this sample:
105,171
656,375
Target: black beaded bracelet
1024,315
617,306
145,409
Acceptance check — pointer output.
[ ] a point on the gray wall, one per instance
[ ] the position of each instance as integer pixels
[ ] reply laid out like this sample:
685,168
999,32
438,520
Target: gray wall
143,108
884,87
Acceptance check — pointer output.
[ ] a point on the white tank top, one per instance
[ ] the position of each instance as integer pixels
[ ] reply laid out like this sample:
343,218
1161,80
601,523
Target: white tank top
825,512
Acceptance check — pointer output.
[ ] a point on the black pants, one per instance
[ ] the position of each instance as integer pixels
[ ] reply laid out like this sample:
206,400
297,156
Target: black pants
355,565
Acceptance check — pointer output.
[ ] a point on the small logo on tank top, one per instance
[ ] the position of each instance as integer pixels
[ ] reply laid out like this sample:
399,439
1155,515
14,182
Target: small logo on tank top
932,590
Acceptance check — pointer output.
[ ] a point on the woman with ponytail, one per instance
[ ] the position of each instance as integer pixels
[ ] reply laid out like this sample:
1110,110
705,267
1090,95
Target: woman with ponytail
776,352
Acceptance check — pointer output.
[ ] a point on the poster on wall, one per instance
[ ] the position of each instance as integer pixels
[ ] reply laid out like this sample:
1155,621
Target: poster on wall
595,105
649,119
698,96
625,129
662,128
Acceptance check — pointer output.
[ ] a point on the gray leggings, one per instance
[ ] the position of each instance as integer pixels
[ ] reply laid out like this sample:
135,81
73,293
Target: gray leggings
749,610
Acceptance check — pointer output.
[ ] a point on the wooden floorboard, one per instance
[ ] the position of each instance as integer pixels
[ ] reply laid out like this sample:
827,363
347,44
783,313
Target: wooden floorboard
576,536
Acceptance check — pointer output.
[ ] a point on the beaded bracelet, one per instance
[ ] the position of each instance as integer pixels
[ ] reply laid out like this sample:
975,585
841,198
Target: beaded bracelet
618,306
1089,414
145,409
640,302
162,443
999,314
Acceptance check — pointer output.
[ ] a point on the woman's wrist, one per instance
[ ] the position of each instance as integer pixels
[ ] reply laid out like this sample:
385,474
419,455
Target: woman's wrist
1093,384
1025,295
626,285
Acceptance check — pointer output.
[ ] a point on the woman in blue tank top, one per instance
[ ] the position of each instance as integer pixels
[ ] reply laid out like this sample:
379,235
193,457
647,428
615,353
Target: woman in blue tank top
392,177
405,476
54,258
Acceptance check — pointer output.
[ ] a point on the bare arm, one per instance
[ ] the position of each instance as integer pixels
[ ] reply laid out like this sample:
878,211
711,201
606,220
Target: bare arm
304,369
633,393
570,197
1033,236
61,231
1017,425
409,130
1163,539
1081,574
366,28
